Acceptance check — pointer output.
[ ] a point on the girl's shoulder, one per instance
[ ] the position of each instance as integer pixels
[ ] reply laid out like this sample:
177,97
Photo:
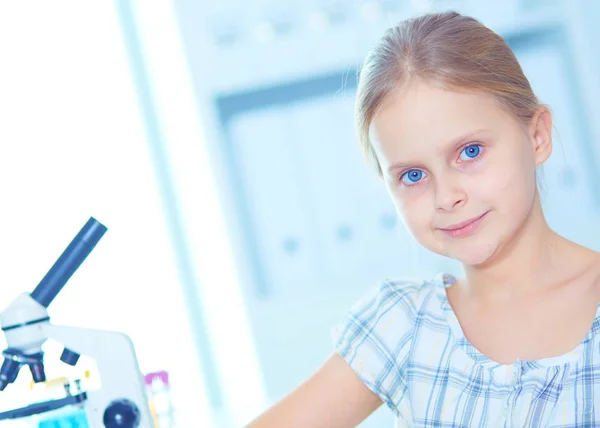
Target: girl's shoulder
376,334
388,313
406,295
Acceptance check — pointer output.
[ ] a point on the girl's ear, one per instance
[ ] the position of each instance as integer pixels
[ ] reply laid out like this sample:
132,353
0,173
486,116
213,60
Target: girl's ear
540,134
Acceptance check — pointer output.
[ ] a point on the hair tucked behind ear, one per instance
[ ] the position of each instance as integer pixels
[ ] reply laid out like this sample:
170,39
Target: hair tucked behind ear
447,49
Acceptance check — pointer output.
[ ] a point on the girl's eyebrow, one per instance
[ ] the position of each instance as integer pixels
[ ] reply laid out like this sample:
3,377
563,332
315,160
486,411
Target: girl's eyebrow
454,142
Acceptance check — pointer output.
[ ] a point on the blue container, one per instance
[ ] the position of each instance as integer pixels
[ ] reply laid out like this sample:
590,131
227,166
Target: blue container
72,420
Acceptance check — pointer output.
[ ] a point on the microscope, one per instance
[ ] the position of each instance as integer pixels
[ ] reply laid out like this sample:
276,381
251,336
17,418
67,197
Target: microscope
121,401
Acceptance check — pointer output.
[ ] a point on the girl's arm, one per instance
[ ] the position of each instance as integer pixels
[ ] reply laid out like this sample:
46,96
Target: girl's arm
333,397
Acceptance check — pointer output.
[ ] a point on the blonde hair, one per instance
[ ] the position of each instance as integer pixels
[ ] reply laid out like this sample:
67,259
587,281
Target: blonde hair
448,49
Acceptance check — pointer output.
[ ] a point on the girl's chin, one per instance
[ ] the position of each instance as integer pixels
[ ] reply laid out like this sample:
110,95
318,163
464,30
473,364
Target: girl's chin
471,254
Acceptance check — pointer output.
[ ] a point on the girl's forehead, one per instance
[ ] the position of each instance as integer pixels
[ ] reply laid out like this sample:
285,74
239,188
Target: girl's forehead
425,114
420,104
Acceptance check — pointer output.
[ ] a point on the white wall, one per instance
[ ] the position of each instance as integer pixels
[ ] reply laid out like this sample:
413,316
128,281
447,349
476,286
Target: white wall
73,145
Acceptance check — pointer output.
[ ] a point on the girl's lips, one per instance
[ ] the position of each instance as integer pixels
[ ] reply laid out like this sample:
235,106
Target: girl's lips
465,228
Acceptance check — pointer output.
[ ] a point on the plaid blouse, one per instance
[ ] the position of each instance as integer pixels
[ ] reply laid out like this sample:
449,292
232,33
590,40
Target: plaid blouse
406,344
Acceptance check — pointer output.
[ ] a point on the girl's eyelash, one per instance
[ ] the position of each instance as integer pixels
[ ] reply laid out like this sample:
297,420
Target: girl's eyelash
405,173
461,150
469,146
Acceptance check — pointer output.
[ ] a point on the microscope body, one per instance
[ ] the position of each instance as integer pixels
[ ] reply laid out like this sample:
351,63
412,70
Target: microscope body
121,401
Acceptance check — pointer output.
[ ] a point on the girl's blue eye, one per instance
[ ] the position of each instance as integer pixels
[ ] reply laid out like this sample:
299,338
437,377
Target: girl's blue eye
412,176
471,152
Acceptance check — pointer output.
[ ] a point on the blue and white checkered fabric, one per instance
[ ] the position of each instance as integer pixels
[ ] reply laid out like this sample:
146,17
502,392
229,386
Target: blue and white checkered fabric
406,344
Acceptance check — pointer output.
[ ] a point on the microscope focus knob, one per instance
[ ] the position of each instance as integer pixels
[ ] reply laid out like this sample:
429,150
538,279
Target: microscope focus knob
121,414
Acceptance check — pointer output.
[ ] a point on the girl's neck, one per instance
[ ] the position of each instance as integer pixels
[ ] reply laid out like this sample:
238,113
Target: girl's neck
536,257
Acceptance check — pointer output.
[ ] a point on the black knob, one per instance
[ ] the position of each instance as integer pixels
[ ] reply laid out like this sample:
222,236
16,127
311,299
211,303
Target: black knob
122,414
69,357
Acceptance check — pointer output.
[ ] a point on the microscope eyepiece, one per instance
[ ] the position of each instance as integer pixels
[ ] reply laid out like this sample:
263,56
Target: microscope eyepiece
69,261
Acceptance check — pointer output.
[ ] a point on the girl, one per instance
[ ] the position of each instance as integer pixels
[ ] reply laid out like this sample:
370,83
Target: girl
452,125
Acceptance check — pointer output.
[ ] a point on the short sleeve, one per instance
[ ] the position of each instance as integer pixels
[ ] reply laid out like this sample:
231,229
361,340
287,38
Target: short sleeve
375,338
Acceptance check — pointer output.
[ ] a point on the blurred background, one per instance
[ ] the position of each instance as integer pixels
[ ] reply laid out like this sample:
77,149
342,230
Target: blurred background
215,140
